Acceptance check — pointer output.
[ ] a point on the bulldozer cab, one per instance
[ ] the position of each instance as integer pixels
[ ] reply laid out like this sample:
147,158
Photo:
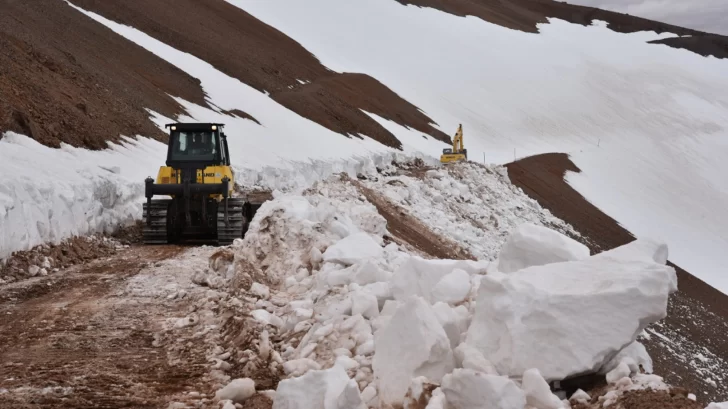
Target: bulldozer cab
197,145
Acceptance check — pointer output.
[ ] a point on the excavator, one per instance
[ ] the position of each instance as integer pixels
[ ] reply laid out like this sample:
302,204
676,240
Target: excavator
457,153
198,184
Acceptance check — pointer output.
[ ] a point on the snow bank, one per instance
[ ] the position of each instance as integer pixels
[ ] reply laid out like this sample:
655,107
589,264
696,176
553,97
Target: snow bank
527,319
531,245
70,191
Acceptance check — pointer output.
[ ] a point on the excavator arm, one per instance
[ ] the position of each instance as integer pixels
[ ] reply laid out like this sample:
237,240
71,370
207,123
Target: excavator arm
458,152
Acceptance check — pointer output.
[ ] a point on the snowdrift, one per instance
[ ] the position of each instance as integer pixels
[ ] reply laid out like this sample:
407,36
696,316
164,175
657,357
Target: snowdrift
361,322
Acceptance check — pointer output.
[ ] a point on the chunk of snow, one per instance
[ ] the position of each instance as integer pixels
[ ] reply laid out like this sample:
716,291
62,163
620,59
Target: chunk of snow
643,249
356,248
453,321
468,389
267,318
297,367
260,290
238,390
33,271
468,357
364,303
580,396
529,319
530,245
452,288
316,389
368,273
418,276
412,344
622,370
537,390
637,355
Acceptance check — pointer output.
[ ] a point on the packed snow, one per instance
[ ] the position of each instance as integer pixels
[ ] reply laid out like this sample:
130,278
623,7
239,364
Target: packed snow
387,327
587,91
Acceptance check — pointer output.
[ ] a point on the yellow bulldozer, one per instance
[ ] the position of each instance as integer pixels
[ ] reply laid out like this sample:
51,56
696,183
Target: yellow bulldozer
198,182
457,153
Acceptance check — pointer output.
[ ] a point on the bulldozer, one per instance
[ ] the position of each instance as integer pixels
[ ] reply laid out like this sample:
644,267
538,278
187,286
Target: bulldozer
198,184
457,153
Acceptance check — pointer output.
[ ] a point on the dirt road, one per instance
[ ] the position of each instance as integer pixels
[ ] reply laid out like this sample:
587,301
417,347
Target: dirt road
83,338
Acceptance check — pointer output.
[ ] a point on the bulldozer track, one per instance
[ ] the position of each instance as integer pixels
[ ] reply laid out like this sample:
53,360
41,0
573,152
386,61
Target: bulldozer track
236,219
156,231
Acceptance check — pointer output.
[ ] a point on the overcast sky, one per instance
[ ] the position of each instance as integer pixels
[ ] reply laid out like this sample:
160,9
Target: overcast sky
703,15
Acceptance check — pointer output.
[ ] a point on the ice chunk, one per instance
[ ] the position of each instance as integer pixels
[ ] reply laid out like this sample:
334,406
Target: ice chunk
325,389
538,392
238,390
354,249
418,276
452,288
530,245
469,389
297,367
412,344
531,318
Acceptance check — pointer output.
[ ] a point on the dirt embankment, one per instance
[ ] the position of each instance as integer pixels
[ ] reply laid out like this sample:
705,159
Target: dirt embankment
697,313
525,14
66,78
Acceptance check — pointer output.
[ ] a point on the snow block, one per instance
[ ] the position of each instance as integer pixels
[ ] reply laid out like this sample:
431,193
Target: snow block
353,249
418,276
469,389
646,250
327,389
716,405
453,288
530,245
411,344
538,392
453,320
238,390
567,318
470,358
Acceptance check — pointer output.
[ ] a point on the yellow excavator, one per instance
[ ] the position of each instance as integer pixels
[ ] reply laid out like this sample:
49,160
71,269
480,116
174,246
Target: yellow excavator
457,153
198,184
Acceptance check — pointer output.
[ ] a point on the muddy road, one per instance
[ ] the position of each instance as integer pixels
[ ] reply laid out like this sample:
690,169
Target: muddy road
84,338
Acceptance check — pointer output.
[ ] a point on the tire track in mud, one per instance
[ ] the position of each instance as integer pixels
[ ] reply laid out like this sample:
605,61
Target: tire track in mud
74,340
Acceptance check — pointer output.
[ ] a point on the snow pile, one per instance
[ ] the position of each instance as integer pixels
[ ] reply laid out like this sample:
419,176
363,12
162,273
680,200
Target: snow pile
349,320
527,318
716,405
474,205
531,245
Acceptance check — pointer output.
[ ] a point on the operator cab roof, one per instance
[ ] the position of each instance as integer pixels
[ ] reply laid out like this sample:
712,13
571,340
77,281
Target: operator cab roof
194,126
